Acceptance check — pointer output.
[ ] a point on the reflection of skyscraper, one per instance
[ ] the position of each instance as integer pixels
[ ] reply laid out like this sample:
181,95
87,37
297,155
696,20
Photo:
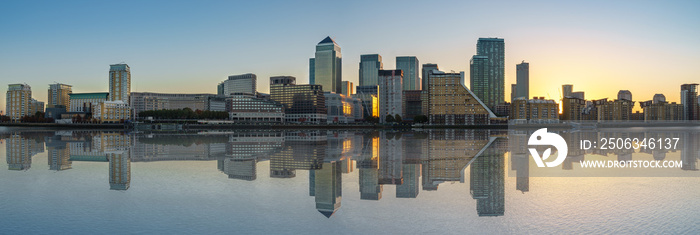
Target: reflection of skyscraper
58,154
244,169
487,183
411,183
18,153
119,170
689,154
368,167
521,163
328,188
449,152
391,158
304,150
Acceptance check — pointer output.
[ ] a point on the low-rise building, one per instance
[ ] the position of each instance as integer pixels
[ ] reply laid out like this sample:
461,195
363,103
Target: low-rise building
341,108
450,102
112,112
536,110
249,109
86,102
302,103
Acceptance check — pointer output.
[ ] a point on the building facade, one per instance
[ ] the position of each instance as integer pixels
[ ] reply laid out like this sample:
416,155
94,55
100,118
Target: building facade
59,95
572,108
148,101
249,109
18,101
302,103
490,86
452,103
390,93
411,74
689,100
369,96
327,68
35,106
86,102
348,88
523,80
369,69
119,82
412,104
537,110
244,83
112,112
341,108
425,71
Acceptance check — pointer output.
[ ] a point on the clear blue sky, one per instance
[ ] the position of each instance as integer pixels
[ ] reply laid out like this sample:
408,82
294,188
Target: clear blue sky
189,46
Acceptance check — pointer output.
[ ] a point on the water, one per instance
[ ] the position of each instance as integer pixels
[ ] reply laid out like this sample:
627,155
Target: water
438,181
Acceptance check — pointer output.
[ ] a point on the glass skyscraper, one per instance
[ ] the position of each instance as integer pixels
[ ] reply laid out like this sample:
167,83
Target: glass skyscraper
427,68
326,67
410,66
369,69
523,80
489,85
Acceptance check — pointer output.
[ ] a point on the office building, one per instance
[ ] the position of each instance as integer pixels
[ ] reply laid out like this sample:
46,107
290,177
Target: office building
302,103
369,95
572,108
149,101
567,90
425,71
390,93
86,102
112,112
18,101
244,83
689,100
452,103
659,98
656,110
341,108
249,109
327,68
412,104
348,88
59,95
523,80
513,91
411,74
617,110
536,110
119,82
488,68
369,69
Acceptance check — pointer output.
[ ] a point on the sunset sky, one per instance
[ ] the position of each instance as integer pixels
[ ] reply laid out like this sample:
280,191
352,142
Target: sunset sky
601,47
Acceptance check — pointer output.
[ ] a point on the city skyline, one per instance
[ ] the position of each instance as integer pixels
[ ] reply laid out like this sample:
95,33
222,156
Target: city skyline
600,55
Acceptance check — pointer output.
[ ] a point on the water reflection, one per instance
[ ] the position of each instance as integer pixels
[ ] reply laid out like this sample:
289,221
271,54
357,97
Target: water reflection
412,161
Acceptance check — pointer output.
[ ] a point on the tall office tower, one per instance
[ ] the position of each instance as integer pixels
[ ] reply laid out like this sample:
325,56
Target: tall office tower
513,91
624,95
119,82
523,80
327,66
567,90
689,100
427,68
479,79
18,101
390,93
348,88
328,188
302,103
244,83
410,66
490,86
369,69
659,98
59,95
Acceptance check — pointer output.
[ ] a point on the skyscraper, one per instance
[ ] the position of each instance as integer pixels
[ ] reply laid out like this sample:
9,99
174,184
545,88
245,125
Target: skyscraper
369,69
348,88
489,85
119,82
327,68
18,101
410,66
479,79
624,95
689,100
59,95
427,68
390,93
244,83
567,90
523,80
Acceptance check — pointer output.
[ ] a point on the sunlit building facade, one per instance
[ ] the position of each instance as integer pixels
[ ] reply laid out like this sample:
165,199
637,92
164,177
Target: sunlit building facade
18,101
302,103
452,103
327,68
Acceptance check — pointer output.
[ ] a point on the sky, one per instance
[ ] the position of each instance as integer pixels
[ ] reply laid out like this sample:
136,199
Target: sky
600,47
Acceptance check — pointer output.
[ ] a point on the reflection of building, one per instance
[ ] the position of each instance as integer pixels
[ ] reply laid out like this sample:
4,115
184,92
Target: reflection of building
690,152
487,183
20,151
411,182
368,167
448,154
244,169
58,154
302,103
18,101
328,188
119,170
326,66
452,103
390,158
303,150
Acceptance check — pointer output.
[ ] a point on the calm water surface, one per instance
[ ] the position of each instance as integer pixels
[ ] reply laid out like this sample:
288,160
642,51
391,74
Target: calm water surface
432,181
